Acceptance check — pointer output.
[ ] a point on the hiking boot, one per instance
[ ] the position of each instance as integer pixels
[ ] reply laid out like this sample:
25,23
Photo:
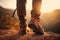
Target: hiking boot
22,28
22,31
35,25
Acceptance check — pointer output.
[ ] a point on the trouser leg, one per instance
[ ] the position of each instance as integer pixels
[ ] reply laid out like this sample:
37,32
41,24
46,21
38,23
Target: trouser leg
21,11
35,19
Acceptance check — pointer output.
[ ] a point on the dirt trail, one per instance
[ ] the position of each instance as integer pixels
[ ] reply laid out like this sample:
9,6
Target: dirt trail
13,35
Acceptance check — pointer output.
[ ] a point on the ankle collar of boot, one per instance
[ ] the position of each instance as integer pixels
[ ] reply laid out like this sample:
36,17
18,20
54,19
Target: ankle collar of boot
34,12
36,16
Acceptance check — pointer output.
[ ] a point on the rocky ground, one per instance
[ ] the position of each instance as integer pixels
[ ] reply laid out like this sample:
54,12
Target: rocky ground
13,35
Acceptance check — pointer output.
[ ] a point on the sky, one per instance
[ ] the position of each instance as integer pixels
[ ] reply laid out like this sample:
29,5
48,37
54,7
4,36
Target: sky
47,5
11,4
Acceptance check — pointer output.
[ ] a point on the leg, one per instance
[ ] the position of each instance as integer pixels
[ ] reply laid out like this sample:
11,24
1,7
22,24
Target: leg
35,19
21,11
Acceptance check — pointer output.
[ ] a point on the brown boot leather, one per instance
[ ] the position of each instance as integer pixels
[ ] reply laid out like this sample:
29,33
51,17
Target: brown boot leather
36,26
22,26
22,29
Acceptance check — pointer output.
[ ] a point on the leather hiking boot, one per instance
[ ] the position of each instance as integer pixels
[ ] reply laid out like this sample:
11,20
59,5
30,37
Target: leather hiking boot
22,29
36,26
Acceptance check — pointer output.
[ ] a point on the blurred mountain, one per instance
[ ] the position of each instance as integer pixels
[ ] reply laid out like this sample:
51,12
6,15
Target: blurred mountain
4,11
6,19
51,21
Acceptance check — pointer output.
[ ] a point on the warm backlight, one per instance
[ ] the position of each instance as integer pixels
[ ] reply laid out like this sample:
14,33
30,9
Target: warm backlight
47,5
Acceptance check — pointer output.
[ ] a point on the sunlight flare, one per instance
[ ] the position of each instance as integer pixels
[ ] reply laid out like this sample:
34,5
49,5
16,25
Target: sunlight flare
47,5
